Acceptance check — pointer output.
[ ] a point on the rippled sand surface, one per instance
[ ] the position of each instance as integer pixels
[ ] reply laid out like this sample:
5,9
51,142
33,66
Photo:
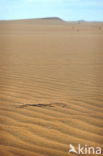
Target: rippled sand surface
51,87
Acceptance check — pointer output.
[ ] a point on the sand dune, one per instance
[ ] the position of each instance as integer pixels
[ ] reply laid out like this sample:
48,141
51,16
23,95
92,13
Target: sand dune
51,86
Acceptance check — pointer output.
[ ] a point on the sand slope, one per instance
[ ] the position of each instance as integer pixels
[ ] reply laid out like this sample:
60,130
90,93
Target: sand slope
51,86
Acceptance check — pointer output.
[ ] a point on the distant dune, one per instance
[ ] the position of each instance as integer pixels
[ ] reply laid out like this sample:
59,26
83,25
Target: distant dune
49,20
52,18
51,86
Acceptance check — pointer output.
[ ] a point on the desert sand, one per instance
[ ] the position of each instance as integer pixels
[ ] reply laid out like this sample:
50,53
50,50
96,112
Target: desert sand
51,86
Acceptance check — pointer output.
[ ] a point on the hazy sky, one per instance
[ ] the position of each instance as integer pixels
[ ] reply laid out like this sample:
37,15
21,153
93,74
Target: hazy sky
66,9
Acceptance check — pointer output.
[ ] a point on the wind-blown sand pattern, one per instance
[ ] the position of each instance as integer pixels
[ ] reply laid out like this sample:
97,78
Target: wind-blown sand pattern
51,86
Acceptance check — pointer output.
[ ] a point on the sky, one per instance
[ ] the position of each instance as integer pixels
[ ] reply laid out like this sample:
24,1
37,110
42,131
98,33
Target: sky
69,10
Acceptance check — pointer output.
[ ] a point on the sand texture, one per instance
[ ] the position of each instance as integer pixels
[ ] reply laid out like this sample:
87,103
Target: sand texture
51,86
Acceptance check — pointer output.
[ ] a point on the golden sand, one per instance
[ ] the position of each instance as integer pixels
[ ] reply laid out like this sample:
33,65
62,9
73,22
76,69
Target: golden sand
51,86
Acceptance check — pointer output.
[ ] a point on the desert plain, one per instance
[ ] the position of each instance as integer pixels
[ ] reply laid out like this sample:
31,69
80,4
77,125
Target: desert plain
51,86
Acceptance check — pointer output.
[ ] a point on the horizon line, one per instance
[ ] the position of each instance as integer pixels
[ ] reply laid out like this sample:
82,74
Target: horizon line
51,17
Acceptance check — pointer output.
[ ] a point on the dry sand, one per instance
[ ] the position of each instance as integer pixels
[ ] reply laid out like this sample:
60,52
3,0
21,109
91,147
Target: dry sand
51,86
